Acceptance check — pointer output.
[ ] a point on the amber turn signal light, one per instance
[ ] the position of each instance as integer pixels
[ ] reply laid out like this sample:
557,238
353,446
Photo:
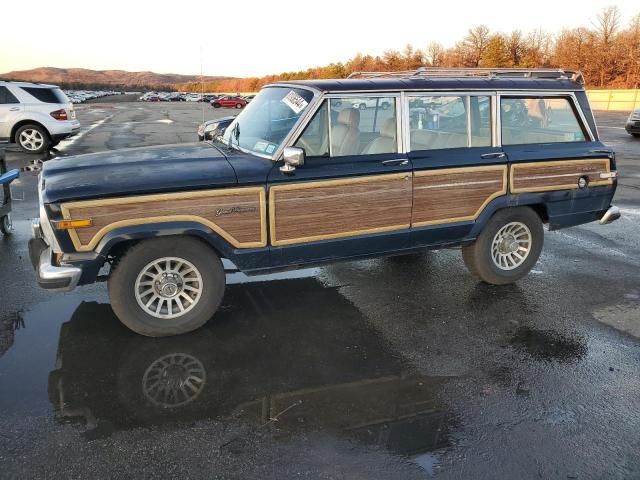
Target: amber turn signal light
67,224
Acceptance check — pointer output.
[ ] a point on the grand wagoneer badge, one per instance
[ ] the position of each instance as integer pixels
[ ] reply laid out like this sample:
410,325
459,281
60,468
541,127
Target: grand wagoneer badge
233,210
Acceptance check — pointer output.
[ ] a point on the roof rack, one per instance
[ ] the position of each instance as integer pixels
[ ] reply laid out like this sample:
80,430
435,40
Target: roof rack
553,73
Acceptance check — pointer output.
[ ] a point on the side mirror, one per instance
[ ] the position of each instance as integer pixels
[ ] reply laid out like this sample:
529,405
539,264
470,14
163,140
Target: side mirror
293,157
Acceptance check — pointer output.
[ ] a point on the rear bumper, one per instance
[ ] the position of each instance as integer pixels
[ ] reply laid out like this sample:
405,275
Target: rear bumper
611,215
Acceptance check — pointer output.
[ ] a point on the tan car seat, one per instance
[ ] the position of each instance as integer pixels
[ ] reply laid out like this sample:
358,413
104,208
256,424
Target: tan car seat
345,134
386,142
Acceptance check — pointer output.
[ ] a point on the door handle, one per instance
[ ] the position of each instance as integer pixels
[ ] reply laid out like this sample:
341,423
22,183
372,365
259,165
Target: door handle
14,109
394,162
493,155
602,151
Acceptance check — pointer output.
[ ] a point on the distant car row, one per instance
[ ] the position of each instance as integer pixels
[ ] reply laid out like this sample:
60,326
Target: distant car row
81,96
216,100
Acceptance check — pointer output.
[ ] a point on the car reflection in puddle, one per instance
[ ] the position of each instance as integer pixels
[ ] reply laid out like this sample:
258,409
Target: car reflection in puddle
287,356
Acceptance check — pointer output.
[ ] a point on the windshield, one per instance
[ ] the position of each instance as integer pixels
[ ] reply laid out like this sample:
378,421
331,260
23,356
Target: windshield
266,121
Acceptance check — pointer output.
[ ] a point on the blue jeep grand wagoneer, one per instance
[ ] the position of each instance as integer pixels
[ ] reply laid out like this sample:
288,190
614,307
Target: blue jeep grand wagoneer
325,170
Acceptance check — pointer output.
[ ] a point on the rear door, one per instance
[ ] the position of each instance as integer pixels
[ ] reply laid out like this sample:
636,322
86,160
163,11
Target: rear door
353,195
549,144
458,167
10,108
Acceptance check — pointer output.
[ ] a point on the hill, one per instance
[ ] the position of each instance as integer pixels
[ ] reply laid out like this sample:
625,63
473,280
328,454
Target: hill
117,79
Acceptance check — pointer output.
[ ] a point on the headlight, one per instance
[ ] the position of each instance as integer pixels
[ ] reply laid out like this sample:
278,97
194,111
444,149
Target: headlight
211,127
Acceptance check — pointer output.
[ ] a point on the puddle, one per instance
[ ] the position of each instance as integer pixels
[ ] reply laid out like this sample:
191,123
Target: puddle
283,357
548,345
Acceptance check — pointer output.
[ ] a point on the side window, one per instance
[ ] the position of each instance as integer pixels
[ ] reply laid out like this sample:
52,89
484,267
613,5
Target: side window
6,96
480,108
438,122
363,126
315,138
539,120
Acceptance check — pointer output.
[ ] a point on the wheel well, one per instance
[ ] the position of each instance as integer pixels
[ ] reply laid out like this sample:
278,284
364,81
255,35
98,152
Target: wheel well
116,252
22,123
541,210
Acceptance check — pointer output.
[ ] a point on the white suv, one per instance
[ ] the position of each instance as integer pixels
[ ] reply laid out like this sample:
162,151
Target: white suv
35,116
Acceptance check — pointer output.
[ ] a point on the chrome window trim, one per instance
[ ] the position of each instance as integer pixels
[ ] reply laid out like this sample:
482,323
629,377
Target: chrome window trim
302,121
495,122
308,116
467,94
582,120
467,106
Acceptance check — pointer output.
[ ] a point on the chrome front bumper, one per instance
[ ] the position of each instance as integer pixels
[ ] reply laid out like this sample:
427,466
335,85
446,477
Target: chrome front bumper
50,276
611,215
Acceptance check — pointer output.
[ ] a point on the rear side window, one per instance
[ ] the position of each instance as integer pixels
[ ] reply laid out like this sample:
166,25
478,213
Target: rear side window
527,120
449,121
46,95
6,96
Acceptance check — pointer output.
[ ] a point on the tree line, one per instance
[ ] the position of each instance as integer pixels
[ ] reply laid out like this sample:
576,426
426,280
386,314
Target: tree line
607,53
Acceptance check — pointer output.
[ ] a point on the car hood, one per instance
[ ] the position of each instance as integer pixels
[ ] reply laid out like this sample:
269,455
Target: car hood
136,171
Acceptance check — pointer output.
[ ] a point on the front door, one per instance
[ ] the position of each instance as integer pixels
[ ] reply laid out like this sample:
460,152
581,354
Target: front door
353,196
457,168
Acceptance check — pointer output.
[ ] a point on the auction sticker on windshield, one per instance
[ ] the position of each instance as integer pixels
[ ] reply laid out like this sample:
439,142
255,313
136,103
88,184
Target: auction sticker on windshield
295,102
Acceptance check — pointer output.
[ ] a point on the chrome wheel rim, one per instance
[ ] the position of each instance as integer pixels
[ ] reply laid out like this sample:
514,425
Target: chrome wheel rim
168,287
174,380
31,139
511,246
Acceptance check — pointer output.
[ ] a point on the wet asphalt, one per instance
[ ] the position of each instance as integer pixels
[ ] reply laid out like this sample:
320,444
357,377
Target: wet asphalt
390,368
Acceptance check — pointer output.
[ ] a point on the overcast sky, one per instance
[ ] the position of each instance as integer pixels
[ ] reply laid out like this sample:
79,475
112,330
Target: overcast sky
247,38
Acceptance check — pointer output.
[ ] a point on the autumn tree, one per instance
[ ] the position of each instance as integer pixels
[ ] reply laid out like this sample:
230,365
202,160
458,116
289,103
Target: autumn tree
474,45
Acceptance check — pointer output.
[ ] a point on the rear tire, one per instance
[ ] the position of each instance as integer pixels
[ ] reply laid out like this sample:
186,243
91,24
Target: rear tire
507,248
238,105
216,105
167,286
6,225
32,138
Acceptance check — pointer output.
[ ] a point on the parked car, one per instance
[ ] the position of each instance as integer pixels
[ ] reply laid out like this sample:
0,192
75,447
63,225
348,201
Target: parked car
633,123
364,103
339,183
212,128
35,116
229,102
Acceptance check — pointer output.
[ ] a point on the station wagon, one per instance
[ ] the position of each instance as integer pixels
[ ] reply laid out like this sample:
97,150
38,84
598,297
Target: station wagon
324,170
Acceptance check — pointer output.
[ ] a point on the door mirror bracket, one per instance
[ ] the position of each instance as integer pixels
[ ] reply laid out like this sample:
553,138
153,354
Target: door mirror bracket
293,157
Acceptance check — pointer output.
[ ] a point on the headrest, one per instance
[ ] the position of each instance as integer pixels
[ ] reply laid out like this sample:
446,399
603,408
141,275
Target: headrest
350,117
388,128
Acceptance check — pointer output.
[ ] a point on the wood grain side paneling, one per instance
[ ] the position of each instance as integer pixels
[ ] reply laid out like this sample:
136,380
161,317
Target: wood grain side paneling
238,215
557,175
455,194
311,211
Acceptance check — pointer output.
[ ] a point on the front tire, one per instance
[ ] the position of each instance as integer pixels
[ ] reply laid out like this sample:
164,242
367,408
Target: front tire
238,105
32,138
508,247
167,286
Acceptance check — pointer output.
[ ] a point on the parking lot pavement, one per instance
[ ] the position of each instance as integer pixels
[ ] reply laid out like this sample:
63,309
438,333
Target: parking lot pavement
388,368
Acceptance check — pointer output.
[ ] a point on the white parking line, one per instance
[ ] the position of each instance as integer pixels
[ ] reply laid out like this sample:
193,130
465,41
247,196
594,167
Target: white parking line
63,145
590,244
